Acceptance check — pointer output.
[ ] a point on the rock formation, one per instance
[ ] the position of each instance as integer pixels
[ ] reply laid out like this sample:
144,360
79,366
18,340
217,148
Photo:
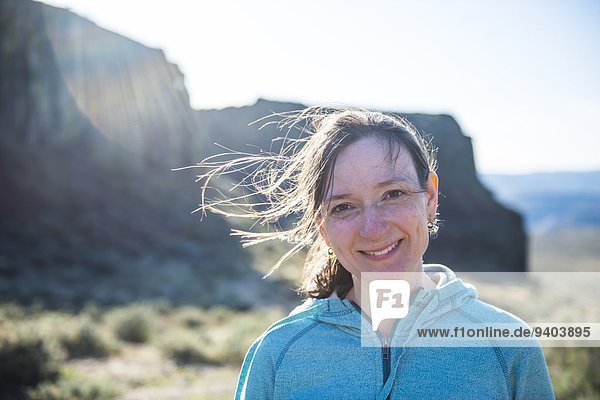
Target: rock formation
90,125
35,105
87,214
128,91
477,233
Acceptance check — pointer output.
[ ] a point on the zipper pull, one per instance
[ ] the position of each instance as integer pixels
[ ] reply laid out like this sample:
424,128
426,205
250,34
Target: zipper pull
385,341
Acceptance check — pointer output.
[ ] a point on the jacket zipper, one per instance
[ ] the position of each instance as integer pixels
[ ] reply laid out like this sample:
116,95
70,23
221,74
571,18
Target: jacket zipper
385,354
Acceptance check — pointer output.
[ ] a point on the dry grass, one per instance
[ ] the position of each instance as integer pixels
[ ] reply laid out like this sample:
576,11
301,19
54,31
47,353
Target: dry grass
140,351
156,351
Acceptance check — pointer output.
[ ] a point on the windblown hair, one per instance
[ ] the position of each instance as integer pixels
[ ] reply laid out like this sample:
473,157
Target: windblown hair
292,182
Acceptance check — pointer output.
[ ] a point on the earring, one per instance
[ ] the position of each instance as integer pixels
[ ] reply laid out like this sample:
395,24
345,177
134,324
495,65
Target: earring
330,254
432,227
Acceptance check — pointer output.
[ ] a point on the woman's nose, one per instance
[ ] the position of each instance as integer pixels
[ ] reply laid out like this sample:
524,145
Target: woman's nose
374,226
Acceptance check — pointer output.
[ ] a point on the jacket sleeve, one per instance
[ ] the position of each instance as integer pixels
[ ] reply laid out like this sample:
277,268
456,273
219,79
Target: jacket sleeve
257,376
531,377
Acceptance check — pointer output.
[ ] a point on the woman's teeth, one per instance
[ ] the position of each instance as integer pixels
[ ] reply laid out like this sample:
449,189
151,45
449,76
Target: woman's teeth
382,252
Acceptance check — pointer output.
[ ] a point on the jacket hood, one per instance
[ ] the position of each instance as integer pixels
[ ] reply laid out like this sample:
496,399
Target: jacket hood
449,294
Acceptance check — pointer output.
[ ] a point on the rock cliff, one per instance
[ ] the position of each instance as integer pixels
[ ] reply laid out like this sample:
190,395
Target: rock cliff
90,125
128,91
35,105
91,213
477,234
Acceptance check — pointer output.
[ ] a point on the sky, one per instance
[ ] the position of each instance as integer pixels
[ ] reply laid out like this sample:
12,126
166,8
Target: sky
521,77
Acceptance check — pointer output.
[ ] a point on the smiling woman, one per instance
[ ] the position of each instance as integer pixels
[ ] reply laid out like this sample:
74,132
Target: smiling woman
376,212
364,191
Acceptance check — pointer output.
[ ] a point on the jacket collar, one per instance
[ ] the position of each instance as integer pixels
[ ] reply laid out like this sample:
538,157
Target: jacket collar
428,304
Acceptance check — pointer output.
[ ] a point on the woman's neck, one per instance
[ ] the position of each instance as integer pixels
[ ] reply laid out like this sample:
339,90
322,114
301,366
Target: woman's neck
417,281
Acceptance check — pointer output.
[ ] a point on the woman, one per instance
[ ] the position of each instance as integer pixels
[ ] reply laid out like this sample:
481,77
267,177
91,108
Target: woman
363,189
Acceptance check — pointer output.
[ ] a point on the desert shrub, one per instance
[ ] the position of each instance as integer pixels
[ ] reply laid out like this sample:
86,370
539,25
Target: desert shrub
87,339
186,347
219,315
191,317
232,333
160,306
225,351
135,323
74,390
207,337
574,372
26,359
11,312
93,311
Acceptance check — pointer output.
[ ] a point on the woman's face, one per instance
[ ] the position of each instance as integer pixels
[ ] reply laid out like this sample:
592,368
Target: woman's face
375,213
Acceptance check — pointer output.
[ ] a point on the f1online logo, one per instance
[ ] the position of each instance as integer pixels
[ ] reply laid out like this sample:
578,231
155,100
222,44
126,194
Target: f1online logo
389,300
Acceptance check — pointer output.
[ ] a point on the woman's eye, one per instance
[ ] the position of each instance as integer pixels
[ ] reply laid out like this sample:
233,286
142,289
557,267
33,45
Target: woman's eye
394,194
340,208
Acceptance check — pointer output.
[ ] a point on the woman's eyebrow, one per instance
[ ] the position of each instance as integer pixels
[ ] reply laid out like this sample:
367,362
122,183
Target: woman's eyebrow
395,180
337,197
387,182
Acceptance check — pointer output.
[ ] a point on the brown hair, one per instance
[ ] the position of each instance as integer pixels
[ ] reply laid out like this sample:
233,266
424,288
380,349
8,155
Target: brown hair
293,182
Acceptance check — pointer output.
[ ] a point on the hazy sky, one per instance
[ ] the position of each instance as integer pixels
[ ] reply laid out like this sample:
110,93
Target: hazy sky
521,77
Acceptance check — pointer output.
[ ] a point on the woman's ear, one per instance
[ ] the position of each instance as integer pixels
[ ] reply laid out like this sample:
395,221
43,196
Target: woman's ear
432,193
323,232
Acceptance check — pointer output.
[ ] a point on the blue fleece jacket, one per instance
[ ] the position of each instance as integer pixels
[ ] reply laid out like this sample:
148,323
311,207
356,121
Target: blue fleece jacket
316,353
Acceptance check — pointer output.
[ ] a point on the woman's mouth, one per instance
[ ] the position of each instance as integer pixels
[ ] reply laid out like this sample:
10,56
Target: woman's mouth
382,252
